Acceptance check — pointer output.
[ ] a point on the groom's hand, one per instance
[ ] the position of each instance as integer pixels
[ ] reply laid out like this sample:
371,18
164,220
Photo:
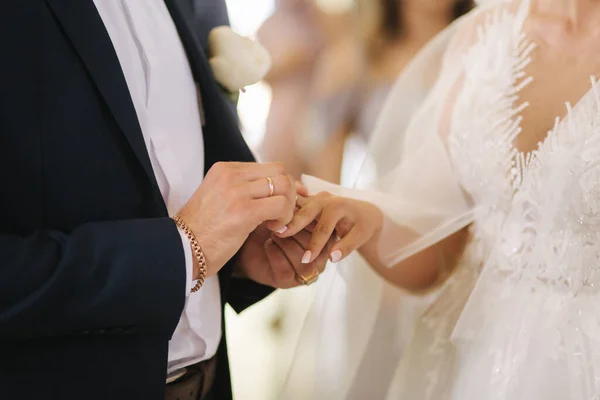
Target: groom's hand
232,201
276,262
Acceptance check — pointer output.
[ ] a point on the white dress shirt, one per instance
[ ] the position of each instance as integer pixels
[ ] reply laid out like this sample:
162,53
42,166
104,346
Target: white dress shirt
166,101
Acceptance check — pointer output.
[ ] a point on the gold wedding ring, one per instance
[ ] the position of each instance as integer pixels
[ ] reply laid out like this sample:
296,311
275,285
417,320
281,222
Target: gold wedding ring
308,280
271,187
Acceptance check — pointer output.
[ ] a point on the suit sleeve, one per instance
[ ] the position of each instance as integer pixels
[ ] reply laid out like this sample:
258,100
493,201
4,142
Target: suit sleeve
115,277
244,293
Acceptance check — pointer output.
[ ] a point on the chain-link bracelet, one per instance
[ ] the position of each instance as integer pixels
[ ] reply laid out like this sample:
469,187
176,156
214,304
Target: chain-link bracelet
196,249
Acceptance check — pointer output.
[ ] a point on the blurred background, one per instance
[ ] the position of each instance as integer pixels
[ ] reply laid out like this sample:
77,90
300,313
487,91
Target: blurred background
334,62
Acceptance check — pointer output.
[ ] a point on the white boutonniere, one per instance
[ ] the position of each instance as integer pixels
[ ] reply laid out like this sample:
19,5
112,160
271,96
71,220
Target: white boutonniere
236,61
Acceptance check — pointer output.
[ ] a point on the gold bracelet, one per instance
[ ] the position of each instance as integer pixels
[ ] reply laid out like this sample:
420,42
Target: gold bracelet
197,250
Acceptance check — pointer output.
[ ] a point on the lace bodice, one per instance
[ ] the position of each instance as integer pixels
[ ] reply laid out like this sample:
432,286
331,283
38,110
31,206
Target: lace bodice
552,235
540,209
485,121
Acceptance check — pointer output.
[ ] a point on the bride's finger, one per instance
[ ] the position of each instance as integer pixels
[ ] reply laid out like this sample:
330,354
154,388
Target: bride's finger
322,233
349,243
302,201
301,219
301,189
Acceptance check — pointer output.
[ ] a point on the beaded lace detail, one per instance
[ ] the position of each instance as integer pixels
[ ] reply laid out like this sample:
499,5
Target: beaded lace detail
487,119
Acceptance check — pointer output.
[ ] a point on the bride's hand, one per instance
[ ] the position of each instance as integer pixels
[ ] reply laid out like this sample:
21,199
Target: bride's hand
354,222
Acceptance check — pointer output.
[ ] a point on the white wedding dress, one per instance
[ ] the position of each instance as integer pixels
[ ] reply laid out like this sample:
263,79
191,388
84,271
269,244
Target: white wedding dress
519,319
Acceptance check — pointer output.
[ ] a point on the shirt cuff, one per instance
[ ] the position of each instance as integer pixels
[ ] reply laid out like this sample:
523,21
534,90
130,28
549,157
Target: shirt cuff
189,261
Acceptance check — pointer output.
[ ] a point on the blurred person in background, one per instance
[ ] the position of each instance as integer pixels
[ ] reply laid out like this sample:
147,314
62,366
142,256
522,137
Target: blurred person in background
355,75
294,36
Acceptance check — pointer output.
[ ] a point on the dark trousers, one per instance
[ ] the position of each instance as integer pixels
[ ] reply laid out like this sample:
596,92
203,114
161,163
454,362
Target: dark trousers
196,384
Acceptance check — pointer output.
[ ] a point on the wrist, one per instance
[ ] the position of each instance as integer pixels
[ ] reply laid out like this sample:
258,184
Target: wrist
199,267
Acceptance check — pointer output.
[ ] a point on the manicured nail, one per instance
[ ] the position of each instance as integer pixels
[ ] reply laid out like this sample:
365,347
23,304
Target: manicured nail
335,256
281,230
306,257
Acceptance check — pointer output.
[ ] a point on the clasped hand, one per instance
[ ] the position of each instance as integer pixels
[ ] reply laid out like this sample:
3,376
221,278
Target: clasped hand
233,210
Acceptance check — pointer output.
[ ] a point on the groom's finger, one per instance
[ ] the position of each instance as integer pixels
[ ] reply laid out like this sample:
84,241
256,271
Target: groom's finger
282,185
277,210
293,252
282,271
303,238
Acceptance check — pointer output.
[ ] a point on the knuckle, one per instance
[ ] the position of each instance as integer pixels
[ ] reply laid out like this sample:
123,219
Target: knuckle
219,167
279,168
310,207
286,186
323,195
278,204
284,205
303,215
338,203
230,175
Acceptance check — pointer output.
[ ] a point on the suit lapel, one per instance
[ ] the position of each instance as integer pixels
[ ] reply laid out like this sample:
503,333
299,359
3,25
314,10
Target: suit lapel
222,138
85,29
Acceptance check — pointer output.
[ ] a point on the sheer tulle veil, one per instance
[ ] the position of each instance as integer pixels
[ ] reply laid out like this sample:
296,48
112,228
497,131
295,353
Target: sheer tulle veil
358,326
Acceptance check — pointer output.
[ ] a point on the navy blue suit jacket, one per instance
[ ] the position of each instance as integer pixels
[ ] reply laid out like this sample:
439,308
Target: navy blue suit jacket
92,274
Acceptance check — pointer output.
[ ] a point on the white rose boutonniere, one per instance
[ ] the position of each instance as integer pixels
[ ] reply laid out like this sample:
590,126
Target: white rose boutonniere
236,61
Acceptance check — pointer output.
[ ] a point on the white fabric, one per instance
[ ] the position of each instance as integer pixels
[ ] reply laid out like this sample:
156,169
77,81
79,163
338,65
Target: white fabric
167,105
357,348
518,319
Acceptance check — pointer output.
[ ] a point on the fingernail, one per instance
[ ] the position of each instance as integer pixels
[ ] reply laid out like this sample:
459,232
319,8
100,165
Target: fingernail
281,230
335,256
306,257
